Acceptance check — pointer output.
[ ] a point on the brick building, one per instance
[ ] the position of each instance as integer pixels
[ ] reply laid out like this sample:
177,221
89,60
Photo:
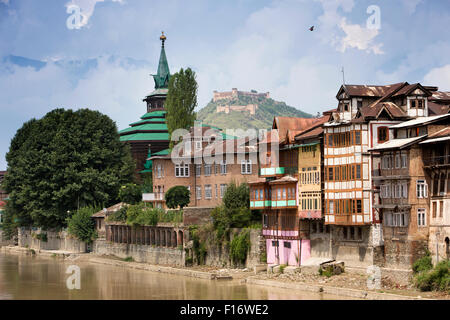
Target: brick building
231,160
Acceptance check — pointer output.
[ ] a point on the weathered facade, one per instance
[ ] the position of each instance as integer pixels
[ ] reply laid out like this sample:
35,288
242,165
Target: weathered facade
213,161
277,191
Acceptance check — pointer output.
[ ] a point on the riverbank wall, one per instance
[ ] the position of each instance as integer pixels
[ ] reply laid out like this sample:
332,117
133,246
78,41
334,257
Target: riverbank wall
53,240
140,252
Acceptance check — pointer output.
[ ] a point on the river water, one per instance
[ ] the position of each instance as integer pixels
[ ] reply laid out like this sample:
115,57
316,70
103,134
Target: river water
30,277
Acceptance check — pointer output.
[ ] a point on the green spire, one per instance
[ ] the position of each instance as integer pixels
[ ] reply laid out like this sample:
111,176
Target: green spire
163,75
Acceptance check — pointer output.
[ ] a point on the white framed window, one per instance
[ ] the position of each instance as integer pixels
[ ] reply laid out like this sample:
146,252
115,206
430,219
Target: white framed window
246,167
404,160
198,192
207,169
198,170
159,171
208,191
331,207
396,219
404,190
421,217
217,193
422,189
397,161
223,167
198,145
181,170
223,189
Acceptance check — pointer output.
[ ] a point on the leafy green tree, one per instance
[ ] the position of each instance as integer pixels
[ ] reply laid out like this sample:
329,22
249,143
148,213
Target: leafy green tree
178,196
81,225
237,196
181,101
64,161
130,193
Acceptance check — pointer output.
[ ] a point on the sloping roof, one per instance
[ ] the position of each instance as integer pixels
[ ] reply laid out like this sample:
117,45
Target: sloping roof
112,209
368,90
407,89
283,124
310,134
284,180
397,143
148,127
420,121
271,136
438,108
257,181
375,109
435,140
441,95
148,136
441,133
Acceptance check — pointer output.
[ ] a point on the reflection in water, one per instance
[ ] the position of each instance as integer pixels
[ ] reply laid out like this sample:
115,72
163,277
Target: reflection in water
27,277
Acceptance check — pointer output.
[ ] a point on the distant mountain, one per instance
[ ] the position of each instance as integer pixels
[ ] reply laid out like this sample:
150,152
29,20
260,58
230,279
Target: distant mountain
262,118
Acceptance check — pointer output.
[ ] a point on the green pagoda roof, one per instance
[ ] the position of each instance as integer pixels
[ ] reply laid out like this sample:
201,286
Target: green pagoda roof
163,75
146,136
146,127
164,152
154,114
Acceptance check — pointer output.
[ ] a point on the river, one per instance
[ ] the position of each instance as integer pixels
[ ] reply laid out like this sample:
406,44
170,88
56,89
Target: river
31,277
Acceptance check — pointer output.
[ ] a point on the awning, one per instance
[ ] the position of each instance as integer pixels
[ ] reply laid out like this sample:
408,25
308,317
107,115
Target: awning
397,143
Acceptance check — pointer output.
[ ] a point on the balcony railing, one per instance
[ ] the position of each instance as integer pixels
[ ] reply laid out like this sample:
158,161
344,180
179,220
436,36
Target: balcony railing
157,196
437,161
273,171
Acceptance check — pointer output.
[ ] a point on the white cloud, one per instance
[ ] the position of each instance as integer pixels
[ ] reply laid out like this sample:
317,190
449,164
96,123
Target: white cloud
87,8
439,77
6,2
359,38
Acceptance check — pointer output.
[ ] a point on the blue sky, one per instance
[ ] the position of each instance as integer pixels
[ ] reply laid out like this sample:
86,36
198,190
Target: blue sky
249,44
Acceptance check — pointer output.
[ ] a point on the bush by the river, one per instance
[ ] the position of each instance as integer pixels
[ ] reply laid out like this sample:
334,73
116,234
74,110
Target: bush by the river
437,278
81,225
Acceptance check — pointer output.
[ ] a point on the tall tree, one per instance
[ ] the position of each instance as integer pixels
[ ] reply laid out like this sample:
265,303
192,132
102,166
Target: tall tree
64,161
181,101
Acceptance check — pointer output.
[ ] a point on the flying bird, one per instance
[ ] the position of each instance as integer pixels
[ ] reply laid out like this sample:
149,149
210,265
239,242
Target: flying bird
311,29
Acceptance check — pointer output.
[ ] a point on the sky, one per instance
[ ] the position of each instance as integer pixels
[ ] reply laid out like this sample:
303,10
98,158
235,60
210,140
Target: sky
99,54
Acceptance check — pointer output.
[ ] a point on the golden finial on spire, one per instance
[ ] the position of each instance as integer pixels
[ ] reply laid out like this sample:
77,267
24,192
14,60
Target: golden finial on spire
162,38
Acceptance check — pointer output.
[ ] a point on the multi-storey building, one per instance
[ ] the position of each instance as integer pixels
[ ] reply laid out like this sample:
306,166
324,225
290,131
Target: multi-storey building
276,192
362,122
436,158
205,178
310,190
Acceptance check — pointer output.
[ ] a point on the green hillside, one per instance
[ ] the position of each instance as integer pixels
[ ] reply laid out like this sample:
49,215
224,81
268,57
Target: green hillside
267,110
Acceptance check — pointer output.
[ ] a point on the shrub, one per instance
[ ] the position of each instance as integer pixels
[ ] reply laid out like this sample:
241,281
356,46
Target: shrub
282,267
118,216
128,259
178,196
81,225
436,279
42,237
130,193
239,247
423,264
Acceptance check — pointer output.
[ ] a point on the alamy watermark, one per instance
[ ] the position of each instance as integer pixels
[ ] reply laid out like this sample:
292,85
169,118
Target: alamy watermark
73,282
374,20
76,18
374,278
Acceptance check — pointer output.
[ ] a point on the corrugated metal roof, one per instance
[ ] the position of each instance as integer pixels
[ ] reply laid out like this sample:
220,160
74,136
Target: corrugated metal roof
419,121
435,140
114,208
397,143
